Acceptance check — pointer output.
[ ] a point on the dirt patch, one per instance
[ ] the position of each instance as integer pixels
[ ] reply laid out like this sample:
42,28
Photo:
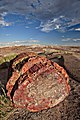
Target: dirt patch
72,65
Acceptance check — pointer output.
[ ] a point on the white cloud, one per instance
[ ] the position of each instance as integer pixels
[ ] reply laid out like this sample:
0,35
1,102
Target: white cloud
33,41
66,39
3,22
47,27
54,24
60,23
18,43
57,26
27,27
71,39
4,14
77,29
76,39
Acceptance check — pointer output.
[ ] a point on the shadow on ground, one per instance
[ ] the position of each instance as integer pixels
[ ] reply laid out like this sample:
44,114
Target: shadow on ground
3,75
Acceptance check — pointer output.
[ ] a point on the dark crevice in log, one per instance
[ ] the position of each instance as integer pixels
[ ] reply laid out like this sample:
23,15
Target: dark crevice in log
10,71
20,64
22,78
15,87
19,81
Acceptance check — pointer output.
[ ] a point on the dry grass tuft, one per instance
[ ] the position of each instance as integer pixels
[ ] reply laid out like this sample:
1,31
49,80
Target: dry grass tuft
6,107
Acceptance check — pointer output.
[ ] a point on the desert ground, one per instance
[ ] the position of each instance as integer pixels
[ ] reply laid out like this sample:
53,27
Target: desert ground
69,109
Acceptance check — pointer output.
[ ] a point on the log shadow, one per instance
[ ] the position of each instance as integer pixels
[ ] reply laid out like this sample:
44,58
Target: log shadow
61,61
3,76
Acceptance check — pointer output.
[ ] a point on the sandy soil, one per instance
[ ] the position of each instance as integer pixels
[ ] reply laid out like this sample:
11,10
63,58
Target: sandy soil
69,109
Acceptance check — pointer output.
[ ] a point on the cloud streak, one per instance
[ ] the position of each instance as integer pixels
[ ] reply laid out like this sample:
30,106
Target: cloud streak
19,43
77,29
71,40
53,14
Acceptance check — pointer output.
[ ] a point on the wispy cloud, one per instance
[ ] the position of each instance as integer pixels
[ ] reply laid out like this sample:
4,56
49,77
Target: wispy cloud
27,27
18,43
4,23
33,41
7,34
47,27
71,39
55,24
60,23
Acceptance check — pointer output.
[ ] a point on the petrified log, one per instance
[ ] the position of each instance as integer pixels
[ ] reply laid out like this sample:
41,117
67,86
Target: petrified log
36,83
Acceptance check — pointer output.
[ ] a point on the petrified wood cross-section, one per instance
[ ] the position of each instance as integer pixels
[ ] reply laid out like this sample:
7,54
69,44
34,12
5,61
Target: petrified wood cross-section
37,83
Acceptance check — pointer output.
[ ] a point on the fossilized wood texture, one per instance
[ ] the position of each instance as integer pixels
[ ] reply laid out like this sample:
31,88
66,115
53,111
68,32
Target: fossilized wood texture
36,83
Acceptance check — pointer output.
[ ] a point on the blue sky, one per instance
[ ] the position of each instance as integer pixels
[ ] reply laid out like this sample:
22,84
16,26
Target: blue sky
40,22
